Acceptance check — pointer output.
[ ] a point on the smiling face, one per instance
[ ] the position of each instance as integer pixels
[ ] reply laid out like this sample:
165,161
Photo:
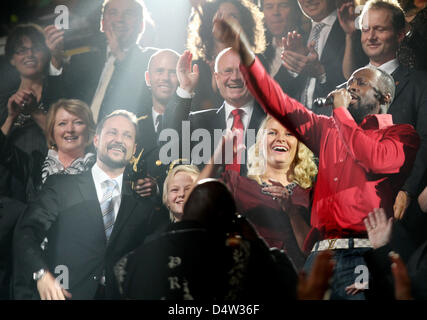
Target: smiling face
230,80
179,188
379,39
124,18
115,144
161,77
29,59
276,16
70,133
280,144
316,10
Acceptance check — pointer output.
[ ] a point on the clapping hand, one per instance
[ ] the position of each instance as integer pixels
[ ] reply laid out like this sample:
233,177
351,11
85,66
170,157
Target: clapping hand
293,42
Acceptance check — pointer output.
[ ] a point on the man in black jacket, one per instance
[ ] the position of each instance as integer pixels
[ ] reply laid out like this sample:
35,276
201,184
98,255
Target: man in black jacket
110,76
90,220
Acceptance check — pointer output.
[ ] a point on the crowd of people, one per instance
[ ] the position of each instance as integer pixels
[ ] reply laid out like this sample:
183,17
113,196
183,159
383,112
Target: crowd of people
281,156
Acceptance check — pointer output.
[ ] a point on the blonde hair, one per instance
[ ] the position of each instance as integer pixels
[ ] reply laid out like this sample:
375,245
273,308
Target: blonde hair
303,169
190,169
75,107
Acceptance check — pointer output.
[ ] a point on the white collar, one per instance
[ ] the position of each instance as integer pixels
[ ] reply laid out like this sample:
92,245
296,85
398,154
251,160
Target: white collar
329,20
100,176
247,108
389,66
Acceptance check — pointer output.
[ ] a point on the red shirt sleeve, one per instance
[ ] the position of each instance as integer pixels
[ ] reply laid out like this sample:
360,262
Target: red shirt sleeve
380,153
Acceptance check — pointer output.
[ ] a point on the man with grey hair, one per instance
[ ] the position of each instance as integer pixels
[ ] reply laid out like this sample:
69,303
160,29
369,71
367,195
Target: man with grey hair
363,159
238,112
383,28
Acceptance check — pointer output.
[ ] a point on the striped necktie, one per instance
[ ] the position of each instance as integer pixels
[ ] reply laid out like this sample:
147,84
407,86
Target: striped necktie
315,35
107,206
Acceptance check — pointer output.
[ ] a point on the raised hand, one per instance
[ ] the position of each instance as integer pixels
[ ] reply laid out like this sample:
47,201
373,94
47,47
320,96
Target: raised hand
293,42
229,32
401,203
378,228
55,43
114,42
346,17
187,77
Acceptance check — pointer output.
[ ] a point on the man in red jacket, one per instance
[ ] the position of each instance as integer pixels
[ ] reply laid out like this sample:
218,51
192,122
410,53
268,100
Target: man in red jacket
363,158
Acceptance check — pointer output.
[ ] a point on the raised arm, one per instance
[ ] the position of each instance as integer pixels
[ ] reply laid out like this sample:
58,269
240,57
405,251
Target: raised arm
178,108
307,126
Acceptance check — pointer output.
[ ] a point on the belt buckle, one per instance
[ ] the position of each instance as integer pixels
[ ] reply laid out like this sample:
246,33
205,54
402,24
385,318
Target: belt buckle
331,243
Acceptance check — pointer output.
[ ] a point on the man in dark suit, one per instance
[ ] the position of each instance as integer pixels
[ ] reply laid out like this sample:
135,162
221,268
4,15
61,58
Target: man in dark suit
239,110
91,220
162,80
317,67
109,76
383,28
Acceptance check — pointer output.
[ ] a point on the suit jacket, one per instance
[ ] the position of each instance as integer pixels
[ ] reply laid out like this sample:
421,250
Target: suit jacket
68,213
178,110
410,106
127,88
148,142
331,59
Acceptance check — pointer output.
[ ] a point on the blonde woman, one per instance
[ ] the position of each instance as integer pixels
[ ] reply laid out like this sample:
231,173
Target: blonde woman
275,197
176,188
69,132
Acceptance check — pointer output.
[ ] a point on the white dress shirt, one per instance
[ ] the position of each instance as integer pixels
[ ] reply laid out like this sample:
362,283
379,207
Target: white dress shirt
155,114
100,176
389,66
246,117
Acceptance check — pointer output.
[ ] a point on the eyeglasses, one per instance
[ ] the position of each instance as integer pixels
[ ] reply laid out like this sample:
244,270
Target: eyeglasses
24,50
229,71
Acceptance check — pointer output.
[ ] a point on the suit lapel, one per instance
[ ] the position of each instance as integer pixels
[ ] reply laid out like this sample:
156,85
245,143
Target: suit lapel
258,115
148,133
126,209
220,121
333,44
401,78
88,192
